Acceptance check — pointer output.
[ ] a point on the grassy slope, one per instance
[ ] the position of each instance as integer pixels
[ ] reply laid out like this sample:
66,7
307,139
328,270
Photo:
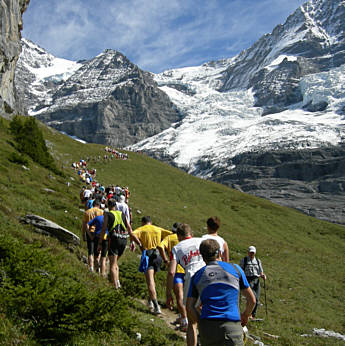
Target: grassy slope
301,255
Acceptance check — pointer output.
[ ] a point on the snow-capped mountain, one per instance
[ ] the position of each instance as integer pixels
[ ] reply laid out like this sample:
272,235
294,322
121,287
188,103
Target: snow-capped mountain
269,121
285,93
106,100
40,73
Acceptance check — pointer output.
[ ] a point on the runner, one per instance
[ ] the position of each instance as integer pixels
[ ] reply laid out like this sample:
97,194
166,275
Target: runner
186,253
213,224
150,237
88,234
217,285
118,229
99,256
167,245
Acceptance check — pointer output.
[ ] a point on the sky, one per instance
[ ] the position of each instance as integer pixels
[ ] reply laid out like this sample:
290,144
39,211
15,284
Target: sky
156,35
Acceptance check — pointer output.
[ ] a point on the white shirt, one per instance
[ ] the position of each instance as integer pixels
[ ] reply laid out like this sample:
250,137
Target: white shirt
87,193
219,239
124,208
187,254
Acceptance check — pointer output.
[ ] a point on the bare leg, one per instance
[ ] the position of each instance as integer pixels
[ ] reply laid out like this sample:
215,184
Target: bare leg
91,262
103,266
150,281
114,270
192,334
178,290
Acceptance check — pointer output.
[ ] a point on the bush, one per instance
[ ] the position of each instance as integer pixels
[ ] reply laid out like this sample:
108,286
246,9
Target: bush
29,140
52,303
18,158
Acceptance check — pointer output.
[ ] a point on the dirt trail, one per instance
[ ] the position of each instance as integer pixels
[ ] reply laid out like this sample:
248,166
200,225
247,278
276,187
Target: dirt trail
169,317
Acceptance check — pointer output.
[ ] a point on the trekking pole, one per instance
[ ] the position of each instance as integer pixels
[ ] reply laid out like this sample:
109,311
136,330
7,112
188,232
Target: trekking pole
265,298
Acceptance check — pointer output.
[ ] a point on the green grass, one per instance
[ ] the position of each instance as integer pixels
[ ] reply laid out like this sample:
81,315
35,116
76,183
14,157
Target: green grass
302,256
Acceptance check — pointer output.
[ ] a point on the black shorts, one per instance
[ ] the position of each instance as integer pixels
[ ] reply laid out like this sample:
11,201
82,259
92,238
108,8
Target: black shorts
92,246
117,246
155,259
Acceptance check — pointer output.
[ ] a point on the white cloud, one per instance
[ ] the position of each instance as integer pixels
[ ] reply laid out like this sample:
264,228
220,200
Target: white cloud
155,34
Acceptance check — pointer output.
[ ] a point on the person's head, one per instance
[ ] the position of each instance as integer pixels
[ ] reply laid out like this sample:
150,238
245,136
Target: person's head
213,223
251,251
175,226
122,199
209,250
97,203
111,204
146,220
183,231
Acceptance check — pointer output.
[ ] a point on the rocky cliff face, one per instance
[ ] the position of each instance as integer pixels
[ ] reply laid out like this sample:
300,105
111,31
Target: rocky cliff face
312,181
106,100
11,24
311,40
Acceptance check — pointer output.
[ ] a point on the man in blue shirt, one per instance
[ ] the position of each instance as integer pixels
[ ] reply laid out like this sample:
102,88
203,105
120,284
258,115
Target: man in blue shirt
218,286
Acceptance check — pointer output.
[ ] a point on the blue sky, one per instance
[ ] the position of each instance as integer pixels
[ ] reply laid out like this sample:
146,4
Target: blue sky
154,34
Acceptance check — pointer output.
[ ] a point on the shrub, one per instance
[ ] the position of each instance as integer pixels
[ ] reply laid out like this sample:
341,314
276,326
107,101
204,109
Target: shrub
29,140
53,303
18,158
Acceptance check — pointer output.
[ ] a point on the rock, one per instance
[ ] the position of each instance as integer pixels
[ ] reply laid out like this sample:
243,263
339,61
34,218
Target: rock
311,181
45,226
11,18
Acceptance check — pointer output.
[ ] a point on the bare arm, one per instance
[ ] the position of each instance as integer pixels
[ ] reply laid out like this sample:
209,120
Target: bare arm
225,254
170,279
250,303
163,254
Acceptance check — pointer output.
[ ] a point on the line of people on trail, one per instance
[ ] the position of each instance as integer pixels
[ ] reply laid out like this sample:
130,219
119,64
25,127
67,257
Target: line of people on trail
205,284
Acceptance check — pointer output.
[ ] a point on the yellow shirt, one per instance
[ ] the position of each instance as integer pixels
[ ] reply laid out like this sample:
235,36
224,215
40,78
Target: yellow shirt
91,214
149,235
167,244
165,233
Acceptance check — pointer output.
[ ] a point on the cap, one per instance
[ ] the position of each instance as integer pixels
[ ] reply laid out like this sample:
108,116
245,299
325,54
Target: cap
252,249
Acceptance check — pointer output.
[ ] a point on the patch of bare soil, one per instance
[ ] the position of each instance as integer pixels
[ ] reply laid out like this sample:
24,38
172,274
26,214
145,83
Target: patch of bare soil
169,317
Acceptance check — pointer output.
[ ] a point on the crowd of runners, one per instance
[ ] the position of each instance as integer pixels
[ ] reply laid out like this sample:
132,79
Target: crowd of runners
199,276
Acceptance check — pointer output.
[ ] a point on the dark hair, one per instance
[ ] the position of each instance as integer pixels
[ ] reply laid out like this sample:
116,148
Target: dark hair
175,227
213,223
209,249
146,219
111,203
97,202
183,230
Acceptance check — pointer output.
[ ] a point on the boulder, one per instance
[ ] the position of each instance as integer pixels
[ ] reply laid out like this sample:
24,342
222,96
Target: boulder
48,227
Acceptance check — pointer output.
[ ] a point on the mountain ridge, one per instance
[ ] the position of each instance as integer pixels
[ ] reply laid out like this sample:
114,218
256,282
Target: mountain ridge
283,93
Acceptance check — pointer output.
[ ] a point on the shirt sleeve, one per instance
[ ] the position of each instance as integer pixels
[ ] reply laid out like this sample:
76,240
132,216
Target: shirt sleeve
174,254
243,280
92,222
192,291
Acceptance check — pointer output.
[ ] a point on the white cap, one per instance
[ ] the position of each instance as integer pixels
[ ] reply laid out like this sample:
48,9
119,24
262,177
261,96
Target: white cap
252,249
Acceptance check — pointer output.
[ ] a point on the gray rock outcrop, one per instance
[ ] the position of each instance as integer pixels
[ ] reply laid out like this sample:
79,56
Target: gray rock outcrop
48,227
312,181
11,24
